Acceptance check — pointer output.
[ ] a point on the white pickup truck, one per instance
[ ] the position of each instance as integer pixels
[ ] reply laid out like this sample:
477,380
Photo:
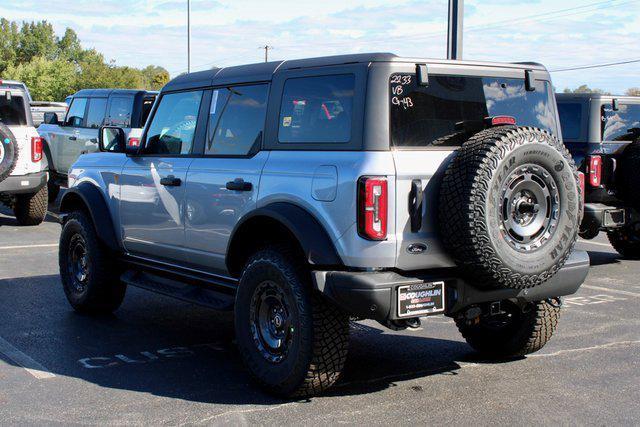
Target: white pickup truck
67,138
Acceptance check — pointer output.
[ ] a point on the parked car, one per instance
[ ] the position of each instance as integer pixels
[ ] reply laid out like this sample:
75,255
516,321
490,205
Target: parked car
40,108
68,137
603,134
23,175
303,193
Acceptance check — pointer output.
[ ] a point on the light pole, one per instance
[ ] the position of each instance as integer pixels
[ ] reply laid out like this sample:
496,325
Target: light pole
188,36
454,33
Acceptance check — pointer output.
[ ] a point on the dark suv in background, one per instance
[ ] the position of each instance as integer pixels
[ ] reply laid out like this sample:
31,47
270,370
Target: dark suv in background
602,132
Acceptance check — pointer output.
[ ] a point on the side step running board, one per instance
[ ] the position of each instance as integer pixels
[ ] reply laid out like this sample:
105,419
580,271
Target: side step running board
201,294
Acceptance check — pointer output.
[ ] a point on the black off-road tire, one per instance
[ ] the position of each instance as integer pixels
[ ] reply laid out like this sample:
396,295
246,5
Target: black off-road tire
31,209
626,240
318,341
8,152
102,291
472,207
528,332
628,175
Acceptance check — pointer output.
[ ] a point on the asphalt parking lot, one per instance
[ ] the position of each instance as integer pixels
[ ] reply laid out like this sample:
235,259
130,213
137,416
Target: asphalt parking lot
157,360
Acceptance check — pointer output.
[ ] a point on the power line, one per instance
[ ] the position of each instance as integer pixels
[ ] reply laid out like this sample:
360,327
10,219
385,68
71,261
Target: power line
585,67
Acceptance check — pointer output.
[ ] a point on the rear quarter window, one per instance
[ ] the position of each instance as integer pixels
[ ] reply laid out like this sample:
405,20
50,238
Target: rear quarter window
622,124
570,120
317,109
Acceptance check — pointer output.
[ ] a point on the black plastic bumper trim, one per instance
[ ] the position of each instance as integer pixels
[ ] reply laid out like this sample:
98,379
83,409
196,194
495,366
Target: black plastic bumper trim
23,184
372,295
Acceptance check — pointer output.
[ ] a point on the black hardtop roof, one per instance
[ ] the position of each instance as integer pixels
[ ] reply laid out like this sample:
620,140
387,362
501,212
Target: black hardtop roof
264,71
594,95
106,92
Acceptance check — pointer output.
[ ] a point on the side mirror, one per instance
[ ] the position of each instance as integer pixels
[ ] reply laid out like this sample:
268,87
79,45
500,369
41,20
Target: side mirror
111,139
51,118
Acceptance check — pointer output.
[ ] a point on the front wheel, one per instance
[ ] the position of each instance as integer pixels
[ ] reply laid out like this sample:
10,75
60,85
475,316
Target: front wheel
293,342
31,209
515,331
88,271
626,240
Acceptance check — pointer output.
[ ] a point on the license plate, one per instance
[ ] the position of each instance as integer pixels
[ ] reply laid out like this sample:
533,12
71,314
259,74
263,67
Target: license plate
420,299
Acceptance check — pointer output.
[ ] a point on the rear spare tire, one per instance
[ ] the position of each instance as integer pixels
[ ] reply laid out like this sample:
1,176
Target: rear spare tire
509,207
8,152
628,175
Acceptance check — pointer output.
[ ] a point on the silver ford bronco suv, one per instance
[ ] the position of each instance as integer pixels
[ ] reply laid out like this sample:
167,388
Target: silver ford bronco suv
304,194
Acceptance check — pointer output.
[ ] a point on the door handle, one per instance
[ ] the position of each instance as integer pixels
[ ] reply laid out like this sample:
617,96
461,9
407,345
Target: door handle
84,152
415,205
170,181
73,138
238,184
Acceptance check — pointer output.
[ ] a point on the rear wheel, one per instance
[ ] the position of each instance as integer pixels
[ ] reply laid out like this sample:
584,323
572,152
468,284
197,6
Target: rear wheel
293,341
516,331
31,209
90,277
626,240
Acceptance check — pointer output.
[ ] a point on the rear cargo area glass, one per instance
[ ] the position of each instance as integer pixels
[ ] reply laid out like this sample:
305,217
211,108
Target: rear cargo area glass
441,114
622,124
12,111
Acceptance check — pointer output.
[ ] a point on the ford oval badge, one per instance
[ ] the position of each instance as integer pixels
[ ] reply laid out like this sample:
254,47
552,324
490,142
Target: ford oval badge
416,248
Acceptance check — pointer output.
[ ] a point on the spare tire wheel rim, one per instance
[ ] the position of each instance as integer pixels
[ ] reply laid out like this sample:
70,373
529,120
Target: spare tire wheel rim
529,207
1,152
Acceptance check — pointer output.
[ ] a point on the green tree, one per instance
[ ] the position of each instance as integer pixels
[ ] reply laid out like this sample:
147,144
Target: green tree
586,89
9,39
47,80
37,39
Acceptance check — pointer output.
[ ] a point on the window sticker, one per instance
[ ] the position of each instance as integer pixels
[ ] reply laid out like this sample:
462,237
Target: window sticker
286,121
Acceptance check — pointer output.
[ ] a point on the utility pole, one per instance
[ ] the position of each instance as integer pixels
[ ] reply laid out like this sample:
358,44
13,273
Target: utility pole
188,36
266,51
454,34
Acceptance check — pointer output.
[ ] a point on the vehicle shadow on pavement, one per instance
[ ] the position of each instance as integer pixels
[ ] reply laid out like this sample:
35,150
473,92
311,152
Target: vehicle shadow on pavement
603,258
172,349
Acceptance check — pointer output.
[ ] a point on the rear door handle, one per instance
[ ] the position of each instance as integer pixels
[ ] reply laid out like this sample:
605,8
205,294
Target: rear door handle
170,181
73,138
239,184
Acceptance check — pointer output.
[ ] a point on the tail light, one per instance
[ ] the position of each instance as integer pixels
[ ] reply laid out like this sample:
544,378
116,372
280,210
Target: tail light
595,171
372,208
36,149
134,142
582,186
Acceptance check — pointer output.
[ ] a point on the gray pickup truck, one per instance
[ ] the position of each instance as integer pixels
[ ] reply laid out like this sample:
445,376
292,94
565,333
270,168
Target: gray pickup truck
303,193
66,138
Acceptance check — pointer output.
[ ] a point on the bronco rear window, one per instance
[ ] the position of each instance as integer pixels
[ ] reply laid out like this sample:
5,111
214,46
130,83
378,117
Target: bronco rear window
12,111
622,124
437,115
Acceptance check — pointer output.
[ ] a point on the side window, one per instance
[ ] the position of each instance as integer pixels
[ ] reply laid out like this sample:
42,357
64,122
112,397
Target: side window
173,125
75,115
97,110
120,111
236,120
570,120
147,103
317,109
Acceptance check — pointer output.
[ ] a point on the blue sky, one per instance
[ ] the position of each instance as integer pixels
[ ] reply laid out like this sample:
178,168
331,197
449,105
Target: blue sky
557,33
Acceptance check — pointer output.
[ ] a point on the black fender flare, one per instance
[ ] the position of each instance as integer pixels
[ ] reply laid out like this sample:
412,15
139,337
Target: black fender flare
92,201
314,240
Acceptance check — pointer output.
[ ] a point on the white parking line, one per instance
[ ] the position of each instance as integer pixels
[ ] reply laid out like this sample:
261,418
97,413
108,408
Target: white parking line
600,288
608,245
45,245
24,361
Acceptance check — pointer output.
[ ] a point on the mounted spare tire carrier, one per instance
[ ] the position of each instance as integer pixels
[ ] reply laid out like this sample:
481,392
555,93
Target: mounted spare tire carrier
510,207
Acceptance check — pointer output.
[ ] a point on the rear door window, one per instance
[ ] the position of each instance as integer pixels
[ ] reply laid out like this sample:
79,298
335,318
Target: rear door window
317,109
120,111
96,113
440,114
12,111
147,103
570,120
75,115
236,120
622,124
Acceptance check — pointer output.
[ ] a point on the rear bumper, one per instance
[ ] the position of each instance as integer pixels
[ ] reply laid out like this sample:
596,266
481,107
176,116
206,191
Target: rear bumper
373,295
598,216
23,184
